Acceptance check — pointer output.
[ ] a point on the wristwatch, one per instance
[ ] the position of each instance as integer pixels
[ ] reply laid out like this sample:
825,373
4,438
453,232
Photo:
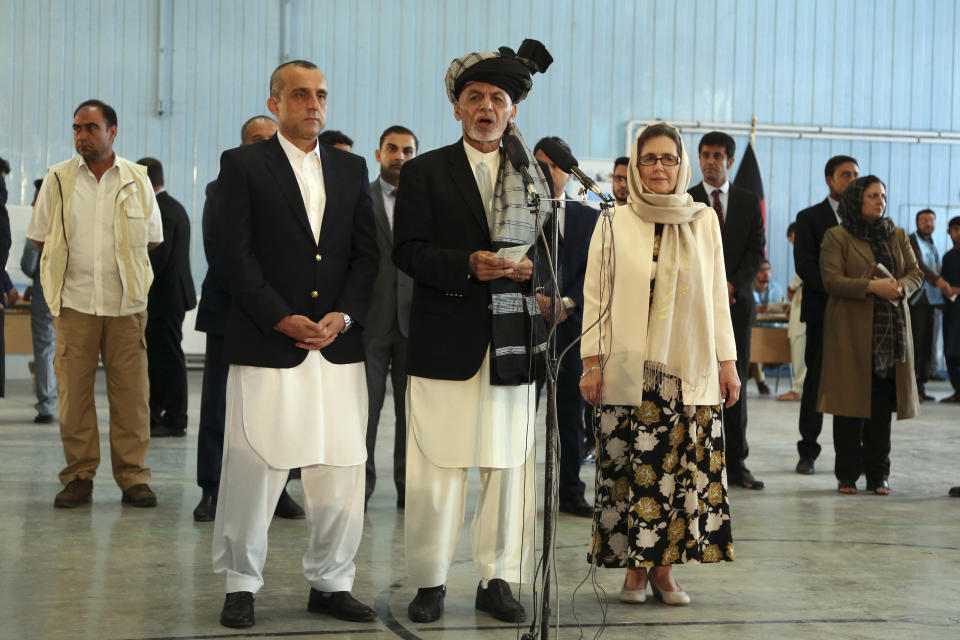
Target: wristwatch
347,322
568,303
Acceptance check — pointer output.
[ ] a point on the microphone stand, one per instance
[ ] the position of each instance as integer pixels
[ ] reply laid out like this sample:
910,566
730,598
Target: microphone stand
552,431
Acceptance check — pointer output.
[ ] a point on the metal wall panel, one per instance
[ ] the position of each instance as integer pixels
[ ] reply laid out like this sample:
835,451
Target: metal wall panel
865,63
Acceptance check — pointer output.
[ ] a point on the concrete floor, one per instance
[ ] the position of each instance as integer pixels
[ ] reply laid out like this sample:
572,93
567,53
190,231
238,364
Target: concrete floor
810,563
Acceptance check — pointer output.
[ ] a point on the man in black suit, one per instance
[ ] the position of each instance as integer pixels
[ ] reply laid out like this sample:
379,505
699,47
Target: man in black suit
620,188
171,296
297,253
812,224
388,321
741,224
476,337
576,227
212,319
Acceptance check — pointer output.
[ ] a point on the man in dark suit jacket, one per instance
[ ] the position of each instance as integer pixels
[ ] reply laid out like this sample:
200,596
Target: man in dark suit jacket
297,253
171,296
388,321
211,319
741,222
576,227
812,224
471,360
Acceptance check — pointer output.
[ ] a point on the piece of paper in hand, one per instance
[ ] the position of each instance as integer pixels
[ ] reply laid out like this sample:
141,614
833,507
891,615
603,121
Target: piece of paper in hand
514,254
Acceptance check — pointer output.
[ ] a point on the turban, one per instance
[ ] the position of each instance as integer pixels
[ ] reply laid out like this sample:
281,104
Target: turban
512,72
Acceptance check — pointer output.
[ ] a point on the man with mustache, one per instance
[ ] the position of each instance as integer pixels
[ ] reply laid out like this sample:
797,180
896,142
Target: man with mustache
385,336
95,218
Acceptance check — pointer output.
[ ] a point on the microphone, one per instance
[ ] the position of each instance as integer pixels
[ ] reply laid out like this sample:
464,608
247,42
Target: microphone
568,164
518,158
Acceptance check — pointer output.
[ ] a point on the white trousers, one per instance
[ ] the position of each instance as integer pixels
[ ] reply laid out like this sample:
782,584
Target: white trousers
798,345
502,532
249,490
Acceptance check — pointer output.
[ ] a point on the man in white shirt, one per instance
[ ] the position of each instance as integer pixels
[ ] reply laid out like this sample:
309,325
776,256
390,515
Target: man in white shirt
385,336
100,211
297,253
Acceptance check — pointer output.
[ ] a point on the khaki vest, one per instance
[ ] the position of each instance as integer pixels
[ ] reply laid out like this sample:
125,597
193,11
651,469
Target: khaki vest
132,208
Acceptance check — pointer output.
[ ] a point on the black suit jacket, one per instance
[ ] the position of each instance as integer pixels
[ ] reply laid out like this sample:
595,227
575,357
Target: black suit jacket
578,223
812,224
270,263
214,299
744,240
172,291
439,221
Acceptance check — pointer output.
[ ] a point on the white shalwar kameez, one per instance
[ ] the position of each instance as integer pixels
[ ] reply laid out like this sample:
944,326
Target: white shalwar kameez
311,416
453,425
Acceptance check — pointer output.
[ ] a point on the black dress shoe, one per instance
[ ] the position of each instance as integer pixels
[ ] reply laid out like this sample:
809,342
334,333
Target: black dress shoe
237,610
427,606
747,481
498,601
164,431
954,492
43,418
925,397
340,605
288,508
206,510
805,466
578,506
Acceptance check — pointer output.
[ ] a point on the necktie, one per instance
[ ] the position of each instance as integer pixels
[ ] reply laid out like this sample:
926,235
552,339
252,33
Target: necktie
393,194
718,207
486,191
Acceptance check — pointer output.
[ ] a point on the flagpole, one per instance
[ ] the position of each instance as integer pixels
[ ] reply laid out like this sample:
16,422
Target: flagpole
753,129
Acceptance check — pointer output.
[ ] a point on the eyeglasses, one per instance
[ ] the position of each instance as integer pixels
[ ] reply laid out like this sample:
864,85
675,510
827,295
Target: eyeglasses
666,160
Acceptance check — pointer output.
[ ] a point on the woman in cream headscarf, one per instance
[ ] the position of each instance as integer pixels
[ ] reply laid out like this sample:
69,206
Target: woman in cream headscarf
658,365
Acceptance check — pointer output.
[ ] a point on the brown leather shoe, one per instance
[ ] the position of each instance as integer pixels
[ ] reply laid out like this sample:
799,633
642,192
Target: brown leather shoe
77,492
139,495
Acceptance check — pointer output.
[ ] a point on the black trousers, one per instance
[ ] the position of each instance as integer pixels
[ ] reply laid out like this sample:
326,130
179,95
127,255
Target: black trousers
953,371
921,323
811,420
863,445
570,419
387,354
213,408
167,370
735,418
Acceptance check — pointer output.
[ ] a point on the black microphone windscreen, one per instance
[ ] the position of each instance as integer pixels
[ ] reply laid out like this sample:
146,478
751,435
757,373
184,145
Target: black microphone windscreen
560,156
515,152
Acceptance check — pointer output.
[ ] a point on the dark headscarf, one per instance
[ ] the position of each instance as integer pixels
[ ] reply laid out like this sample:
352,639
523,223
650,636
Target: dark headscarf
889,326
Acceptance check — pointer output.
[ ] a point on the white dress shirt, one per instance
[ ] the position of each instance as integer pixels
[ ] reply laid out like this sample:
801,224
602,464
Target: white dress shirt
724,195
91,283
309,172
491,159
389,200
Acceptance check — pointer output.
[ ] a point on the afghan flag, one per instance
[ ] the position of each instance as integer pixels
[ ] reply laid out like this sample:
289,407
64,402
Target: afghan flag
748,177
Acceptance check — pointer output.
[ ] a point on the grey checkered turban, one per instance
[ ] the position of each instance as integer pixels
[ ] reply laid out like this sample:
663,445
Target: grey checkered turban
512,72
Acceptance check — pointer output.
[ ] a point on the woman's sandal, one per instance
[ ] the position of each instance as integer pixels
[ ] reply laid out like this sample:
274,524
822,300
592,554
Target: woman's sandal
847,489
881,488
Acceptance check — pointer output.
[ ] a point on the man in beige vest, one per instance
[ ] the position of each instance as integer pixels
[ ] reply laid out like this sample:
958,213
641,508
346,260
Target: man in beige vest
95,218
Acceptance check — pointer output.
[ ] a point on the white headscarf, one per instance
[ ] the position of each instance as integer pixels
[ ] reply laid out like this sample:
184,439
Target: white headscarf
678,340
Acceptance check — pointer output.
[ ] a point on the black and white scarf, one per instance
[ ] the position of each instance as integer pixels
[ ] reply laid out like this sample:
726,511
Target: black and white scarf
519,332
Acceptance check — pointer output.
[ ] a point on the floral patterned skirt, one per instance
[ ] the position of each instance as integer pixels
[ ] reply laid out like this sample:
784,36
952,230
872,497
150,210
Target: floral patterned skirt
661,484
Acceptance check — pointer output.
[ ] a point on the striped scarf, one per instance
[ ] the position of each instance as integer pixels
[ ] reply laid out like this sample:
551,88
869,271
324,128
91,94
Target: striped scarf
518,331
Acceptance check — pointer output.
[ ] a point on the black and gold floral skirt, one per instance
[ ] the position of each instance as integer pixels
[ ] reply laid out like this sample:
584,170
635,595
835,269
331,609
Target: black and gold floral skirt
661,483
